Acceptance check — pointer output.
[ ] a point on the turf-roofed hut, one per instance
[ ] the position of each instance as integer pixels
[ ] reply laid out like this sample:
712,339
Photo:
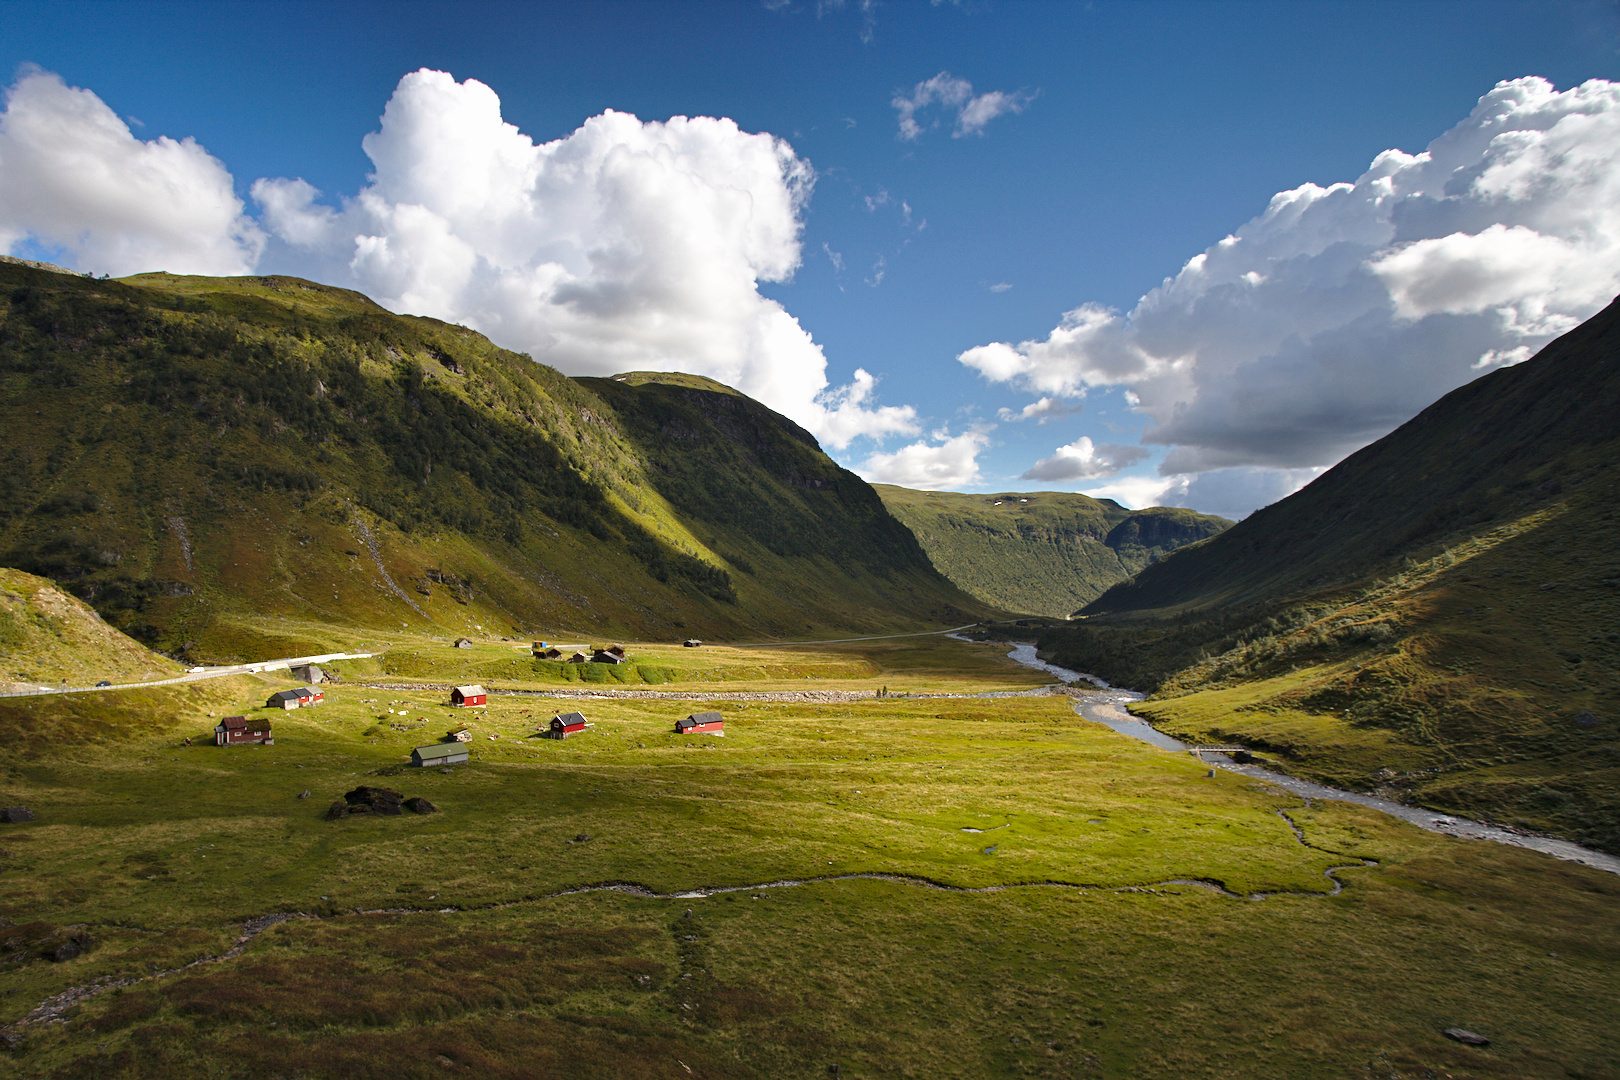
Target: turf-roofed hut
445,753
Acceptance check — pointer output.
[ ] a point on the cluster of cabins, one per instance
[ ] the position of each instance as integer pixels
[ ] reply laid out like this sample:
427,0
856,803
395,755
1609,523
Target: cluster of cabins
256,731
242,730
613,654
453,749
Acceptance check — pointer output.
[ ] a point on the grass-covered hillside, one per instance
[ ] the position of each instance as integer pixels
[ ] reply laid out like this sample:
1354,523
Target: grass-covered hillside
235,467
1041,552
1438,616
49,637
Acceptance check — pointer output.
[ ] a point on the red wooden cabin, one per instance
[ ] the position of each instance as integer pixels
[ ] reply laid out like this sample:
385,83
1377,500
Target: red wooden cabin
240,731
702,723
566,724
469,695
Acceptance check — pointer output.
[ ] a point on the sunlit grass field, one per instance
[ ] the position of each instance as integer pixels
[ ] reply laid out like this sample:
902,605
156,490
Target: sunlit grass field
1154,920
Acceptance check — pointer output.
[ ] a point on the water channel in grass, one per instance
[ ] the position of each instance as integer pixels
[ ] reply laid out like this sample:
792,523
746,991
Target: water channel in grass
1108,706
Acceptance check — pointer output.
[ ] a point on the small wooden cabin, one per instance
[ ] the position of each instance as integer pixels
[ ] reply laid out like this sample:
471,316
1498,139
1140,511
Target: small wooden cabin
240,731
458,735
445,753
566,724
294,699
701,723
692,643
552,653
578,658
469,695
463,643
603,656
616,650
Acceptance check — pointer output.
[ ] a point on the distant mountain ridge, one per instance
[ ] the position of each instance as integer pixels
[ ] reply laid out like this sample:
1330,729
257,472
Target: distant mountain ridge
1438,615
236,466
1041,552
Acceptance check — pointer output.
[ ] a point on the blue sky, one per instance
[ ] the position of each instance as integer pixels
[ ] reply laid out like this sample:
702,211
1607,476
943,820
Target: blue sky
1129,138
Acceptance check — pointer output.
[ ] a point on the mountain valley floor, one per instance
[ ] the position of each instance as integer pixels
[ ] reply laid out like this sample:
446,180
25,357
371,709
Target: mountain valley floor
900,885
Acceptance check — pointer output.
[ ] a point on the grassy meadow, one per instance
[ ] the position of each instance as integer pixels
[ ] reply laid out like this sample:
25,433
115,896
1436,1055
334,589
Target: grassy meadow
1116,911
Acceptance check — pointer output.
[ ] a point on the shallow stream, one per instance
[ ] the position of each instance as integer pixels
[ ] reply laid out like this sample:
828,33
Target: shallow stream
1107,706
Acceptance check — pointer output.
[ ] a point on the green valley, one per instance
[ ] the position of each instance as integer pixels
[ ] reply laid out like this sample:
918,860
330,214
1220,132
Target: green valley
795,896
1041,552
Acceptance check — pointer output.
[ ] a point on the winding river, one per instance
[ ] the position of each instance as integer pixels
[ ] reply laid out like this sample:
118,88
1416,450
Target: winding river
1107,706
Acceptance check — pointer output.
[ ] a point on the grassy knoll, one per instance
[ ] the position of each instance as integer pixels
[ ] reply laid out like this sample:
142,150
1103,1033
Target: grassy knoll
48,637
161,850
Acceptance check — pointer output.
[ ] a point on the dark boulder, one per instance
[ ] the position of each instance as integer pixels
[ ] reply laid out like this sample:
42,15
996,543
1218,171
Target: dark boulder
338,809
73,943
13,815
377,800
418,805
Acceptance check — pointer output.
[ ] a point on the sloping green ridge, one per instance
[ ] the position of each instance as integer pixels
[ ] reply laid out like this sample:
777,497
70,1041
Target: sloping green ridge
1438,616
1041,552
48,636
1510,441
234,467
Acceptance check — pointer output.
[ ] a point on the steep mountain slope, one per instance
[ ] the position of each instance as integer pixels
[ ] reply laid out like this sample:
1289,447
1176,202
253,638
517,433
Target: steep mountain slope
1439,615
230,467
1041,552
48,637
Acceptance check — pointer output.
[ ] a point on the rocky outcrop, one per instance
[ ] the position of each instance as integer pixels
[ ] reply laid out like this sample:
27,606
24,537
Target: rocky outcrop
377,800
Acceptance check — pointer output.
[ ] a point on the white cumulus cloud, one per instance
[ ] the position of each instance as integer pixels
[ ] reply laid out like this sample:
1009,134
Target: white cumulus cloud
1085,460
970,113
1041,410
942,463
74,178
627,244
1342,310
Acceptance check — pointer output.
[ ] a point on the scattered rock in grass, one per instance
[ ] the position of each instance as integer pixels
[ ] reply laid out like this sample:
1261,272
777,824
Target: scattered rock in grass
73,943
581,838
336,810
418,805
1466,1037
1586,719
991,850
304,794
14,815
